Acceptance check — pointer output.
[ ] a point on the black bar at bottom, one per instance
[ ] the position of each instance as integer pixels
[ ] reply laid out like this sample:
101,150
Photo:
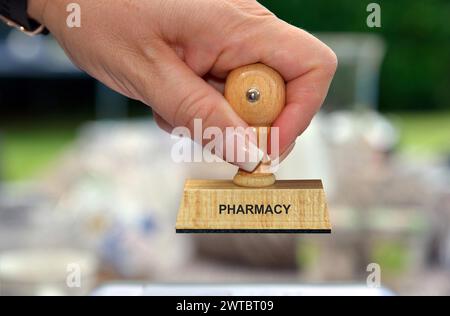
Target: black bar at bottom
253,231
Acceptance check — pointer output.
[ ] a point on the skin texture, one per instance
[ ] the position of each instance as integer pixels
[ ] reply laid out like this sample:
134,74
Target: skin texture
174,55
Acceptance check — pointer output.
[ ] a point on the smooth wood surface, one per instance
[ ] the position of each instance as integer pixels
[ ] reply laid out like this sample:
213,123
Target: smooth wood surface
268,82
200,207
253,180
259,114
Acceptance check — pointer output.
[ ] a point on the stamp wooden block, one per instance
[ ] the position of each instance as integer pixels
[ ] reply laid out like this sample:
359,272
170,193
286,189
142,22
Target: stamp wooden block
254,202
288,206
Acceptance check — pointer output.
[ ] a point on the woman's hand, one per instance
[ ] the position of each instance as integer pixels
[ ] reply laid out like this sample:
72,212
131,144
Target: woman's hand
174,55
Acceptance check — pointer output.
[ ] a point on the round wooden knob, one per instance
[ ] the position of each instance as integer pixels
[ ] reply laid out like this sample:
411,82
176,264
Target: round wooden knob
257,93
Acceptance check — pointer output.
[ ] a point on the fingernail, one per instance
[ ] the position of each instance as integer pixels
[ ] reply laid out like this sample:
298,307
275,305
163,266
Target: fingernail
242,151
251,165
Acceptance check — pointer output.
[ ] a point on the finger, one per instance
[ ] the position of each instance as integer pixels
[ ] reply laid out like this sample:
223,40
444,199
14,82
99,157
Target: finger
306,64
179,96
305,95
288,49
162,124
216,83
308,75
183,97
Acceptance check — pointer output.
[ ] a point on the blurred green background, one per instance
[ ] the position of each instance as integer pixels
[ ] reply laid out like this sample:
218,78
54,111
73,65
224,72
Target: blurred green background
416,72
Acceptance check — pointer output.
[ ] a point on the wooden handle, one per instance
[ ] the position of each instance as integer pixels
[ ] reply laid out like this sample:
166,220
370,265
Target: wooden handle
257,93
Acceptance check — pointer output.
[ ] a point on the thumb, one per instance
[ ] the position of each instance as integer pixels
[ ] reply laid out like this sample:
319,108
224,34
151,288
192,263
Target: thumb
180,97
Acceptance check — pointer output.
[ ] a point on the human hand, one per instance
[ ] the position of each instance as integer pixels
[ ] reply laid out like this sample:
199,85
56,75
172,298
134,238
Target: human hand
174,56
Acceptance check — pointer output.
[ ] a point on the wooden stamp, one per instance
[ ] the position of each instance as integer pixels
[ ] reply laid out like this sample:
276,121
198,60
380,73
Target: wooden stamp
254,202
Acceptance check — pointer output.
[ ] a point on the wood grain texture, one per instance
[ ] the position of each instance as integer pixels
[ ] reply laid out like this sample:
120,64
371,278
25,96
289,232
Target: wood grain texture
199,210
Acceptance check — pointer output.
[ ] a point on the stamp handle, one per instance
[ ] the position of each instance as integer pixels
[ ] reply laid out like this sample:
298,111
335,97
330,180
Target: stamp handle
257,94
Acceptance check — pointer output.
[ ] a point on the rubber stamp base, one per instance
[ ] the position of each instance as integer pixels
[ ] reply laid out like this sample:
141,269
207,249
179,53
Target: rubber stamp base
286,207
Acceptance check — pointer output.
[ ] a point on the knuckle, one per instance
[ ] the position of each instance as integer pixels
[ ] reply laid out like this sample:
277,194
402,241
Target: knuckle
329,60
195,105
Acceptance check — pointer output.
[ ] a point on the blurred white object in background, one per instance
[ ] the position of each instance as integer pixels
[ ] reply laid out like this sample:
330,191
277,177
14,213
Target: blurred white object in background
47,272
343,127
121,185
24,48
271,289
310,158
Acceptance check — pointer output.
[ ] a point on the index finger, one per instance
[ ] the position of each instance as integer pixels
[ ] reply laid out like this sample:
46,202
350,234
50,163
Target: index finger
308,66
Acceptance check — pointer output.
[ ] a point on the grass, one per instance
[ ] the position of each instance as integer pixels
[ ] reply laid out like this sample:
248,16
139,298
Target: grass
423,133
29,149
26,151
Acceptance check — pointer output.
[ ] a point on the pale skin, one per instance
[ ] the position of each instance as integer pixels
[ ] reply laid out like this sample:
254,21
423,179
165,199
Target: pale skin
174,55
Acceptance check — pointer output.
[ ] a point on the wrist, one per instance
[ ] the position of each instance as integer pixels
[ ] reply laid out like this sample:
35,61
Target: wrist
36,10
